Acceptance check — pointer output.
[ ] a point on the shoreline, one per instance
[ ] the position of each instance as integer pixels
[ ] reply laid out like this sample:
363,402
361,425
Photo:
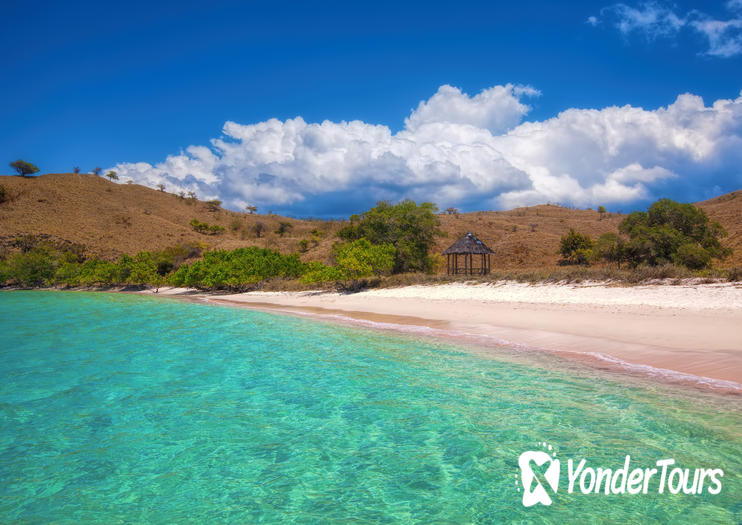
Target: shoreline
678,334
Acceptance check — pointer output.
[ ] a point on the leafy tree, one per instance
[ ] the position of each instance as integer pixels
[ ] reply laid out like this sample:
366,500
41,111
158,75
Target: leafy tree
410,228
601,212
97,170
576,247
213,205
76,169
24,168
112,176
284,227
656,236
452,211
161,187
251,209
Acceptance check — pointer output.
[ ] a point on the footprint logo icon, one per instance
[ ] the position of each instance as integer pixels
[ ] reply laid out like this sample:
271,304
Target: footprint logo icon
539,471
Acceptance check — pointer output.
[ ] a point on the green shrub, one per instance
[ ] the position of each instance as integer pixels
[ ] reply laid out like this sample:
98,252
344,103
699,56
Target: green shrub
237,269
35,267
576,247
206,228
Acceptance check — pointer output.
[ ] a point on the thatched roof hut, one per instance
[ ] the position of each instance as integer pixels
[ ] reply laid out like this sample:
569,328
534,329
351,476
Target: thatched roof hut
468,246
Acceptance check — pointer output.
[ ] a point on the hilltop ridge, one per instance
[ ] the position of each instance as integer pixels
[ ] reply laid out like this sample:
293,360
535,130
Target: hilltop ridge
112,219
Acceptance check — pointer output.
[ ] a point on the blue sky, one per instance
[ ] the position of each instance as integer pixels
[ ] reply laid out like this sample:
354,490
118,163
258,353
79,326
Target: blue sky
125,85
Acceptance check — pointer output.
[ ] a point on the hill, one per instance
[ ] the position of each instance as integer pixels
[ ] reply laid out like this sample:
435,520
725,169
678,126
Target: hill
112,219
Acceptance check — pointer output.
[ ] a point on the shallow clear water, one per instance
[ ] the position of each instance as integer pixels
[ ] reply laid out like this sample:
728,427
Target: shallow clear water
124,408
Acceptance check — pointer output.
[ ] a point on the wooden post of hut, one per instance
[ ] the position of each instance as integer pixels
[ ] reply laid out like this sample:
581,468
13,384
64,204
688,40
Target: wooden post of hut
468,246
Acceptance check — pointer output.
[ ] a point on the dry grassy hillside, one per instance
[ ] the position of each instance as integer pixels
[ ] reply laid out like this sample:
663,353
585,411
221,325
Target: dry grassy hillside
111,219
727,209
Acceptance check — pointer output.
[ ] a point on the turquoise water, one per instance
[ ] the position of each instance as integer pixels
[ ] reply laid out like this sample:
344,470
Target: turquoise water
118,408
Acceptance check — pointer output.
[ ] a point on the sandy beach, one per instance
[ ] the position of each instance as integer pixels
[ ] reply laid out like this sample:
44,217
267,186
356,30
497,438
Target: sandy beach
690,332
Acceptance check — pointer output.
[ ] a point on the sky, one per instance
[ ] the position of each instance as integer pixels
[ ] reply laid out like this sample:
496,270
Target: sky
323,108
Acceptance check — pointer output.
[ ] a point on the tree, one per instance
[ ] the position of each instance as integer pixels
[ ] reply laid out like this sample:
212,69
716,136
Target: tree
452,211
601,212
410,228
657,236
576,247
76,169
161,187
251,209
284,227
97,170
24,168
112,176
213,205
258,228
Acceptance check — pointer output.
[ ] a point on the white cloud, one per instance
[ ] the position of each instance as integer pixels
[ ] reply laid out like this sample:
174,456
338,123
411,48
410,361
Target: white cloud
497,109
724,37
464,151
654,20
651,19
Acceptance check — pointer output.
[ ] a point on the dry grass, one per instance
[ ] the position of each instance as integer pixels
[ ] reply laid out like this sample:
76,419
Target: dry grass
112,219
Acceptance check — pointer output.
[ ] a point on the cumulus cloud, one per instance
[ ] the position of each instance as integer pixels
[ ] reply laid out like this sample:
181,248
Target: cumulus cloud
472,152
496,109
654,20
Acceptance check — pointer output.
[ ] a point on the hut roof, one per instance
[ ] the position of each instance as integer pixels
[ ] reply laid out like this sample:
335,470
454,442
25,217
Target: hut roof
468,244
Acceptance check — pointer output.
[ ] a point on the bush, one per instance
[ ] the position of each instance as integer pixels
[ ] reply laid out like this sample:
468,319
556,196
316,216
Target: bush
35,267
206,228
576,247
237,269
3,194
